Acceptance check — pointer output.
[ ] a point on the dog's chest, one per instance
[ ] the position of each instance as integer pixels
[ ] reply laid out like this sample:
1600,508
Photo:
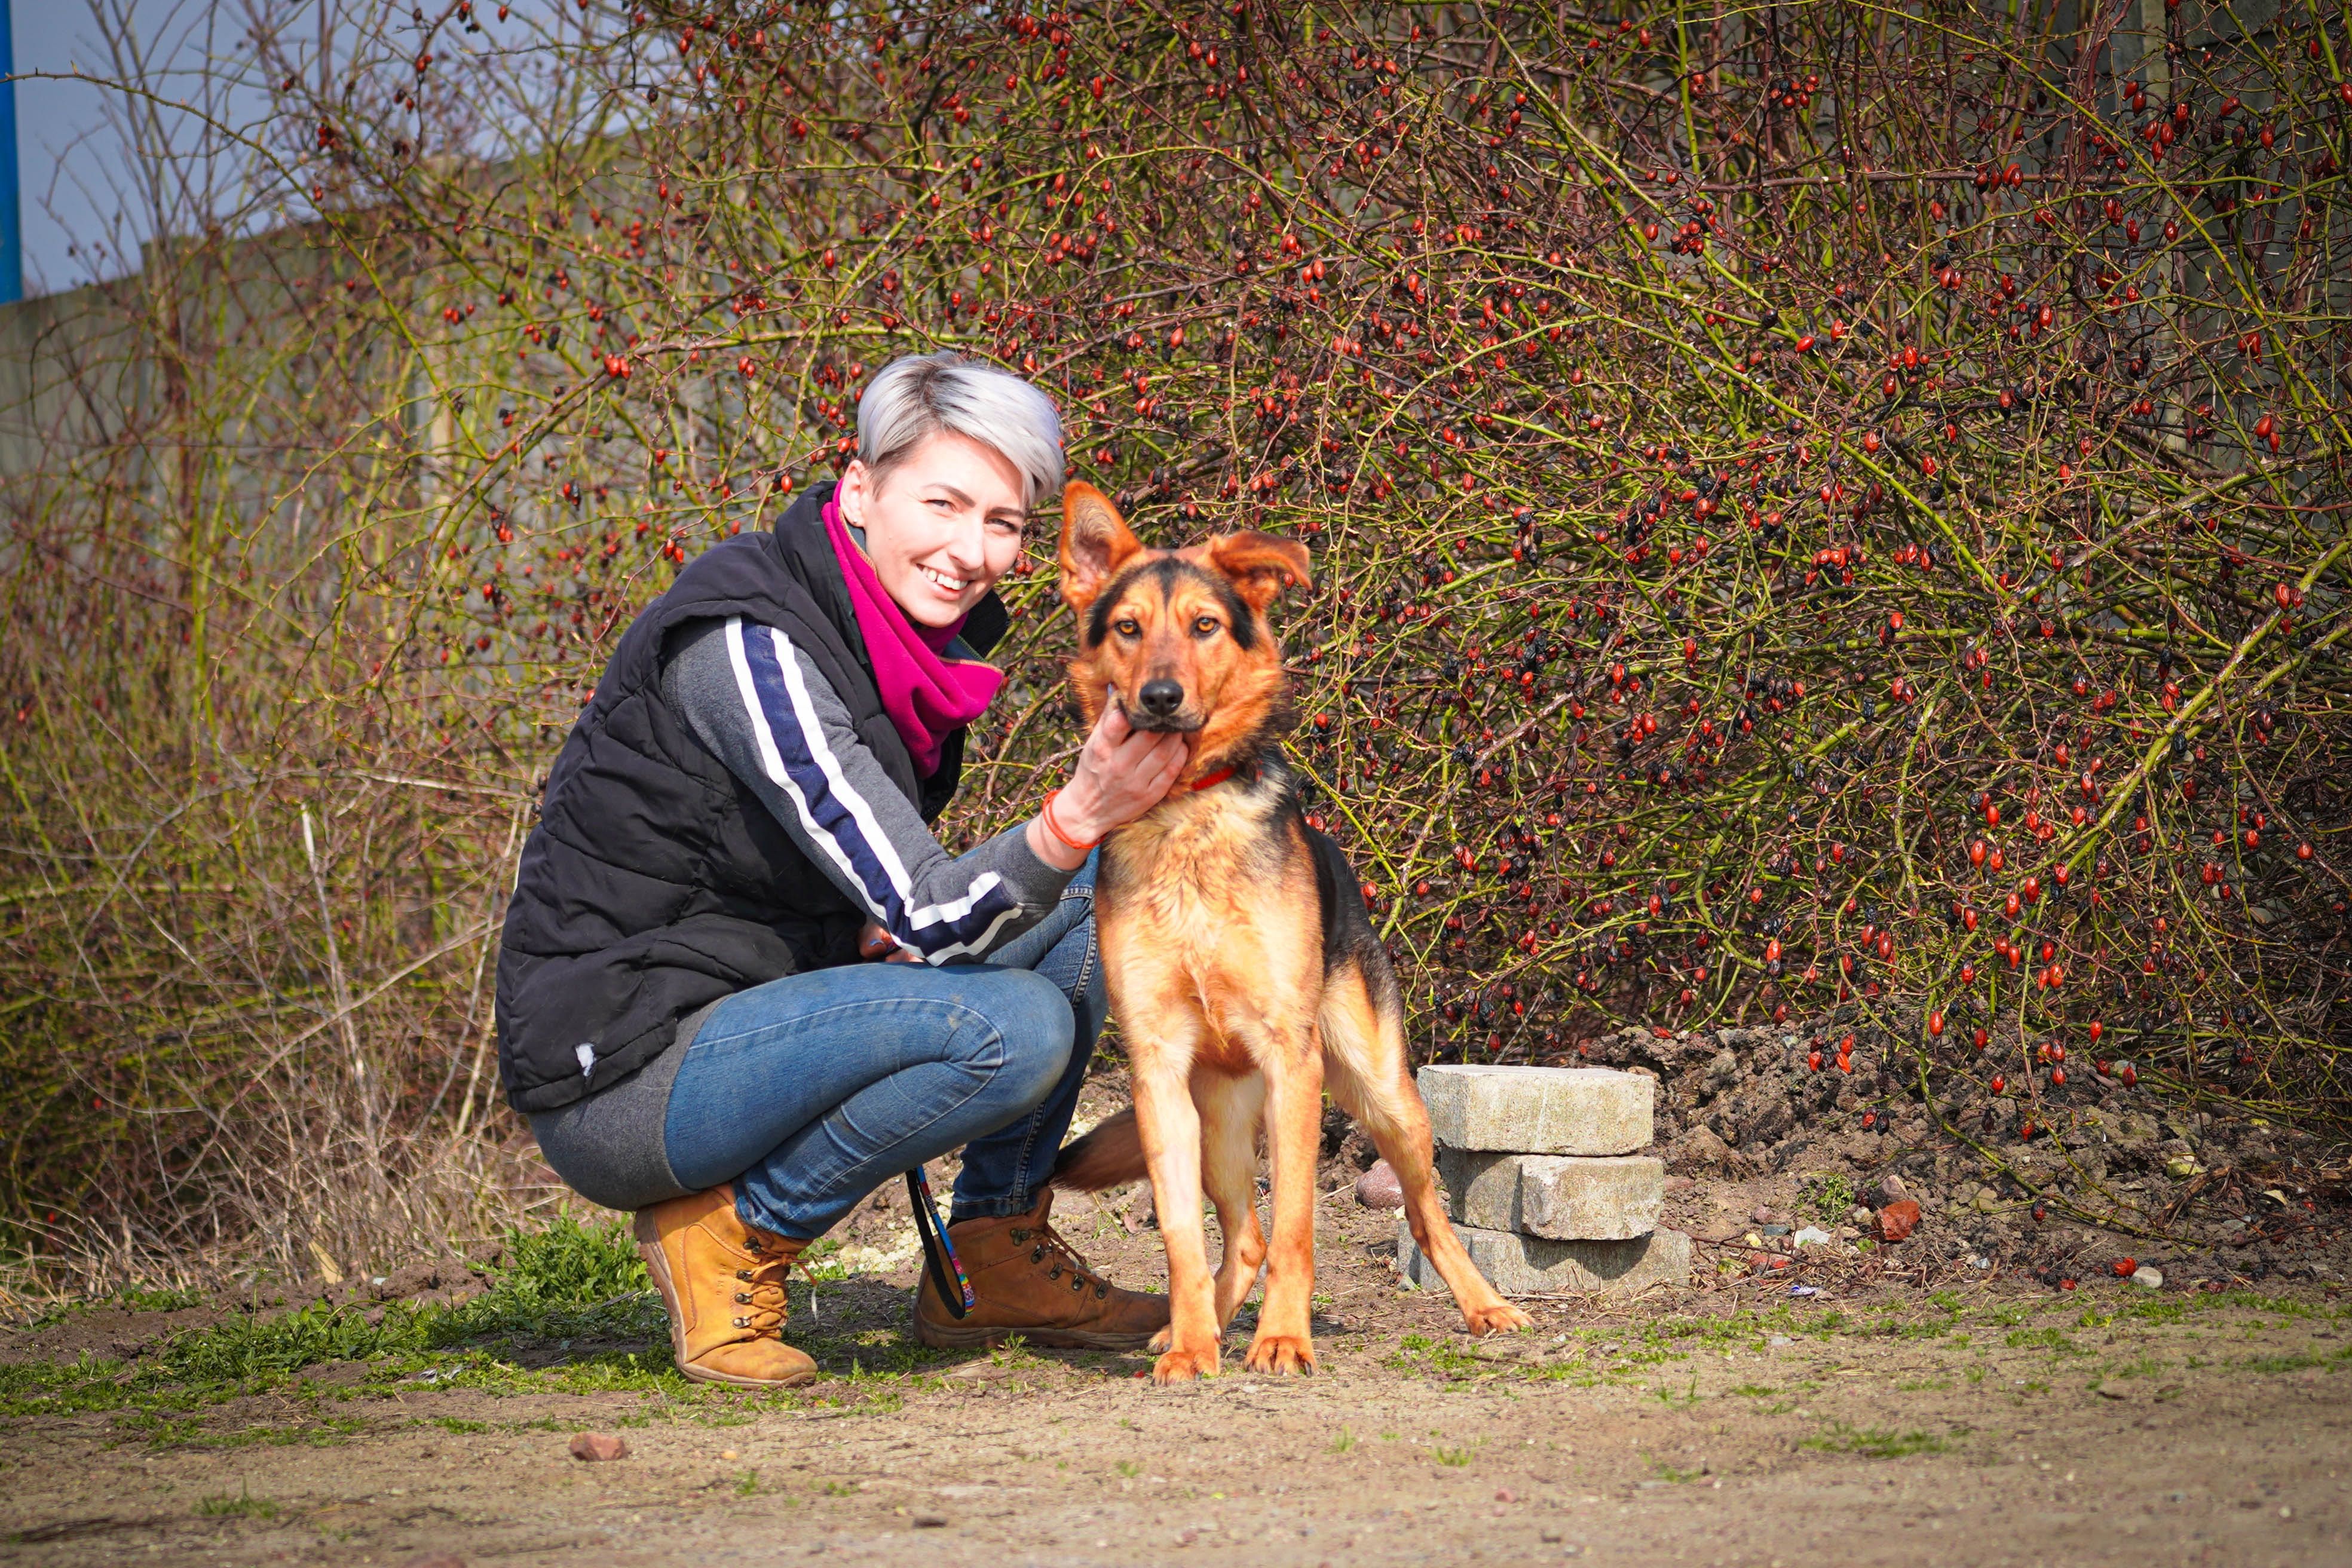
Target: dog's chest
1193,877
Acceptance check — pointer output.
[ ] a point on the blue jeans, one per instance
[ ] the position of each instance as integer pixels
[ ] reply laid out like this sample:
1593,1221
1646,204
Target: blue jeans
812,1090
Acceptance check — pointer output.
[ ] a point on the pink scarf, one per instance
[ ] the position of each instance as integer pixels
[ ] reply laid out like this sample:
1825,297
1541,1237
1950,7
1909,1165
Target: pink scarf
928,697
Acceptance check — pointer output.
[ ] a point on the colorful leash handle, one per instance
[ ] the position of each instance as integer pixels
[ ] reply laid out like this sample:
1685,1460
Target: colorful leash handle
939,1252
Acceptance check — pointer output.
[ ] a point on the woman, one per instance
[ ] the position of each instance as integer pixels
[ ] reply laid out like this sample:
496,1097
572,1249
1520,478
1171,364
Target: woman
739,821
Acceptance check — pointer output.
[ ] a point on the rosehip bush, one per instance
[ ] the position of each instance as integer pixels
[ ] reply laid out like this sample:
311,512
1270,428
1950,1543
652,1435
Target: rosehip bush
1815,511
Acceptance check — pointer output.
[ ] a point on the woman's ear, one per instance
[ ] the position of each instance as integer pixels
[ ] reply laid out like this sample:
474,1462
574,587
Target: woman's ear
1259,566
1095,543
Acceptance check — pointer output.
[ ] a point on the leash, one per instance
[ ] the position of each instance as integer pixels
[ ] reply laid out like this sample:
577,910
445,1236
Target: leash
938,1253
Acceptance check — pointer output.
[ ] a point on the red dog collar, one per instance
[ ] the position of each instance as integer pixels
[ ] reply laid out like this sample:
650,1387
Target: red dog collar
1211,781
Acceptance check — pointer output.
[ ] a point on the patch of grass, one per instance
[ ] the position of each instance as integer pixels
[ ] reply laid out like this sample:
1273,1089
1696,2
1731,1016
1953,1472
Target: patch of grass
1873,1442
1684,1399
1418,1352
563,1282
1343,1442
156,1299
2043,1339
1755,1391
1131,1469
1454,1457
244,1505
2296,1360
1828,1197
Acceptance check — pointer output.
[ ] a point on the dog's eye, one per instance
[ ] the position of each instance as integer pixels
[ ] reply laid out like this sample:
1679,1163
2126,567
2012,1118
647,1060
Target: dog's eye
1206,626
1127,628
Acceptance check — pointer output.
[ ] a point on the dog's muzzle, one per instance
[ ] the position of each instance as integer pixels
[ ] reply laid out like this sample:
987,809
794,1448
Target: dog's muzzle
1160,705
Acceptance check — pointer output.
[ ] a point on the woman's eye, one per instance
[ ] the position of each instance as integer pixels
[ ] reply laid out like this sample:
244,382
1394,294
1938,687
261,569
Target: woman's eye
1206,626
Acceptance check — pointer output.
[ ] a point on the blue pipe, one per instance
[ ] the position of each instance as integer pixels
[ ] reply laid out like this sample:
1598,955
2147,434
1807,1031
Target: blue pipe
12,227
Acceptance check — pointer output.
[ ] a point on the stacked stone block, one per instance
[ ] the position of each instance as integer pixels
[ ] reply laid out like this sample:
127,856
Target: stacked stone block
1544,1182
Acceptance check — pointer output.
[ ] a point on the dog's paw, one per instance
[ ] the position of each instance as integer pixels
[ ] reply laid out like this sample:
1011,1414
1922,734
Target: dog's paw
1160,1341
1281,1353
1502,1317
1183,1366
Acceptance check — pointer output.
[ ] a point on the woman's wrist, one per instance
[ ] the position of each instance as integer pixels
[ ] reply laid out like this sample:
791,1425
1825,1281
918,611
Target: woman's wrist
1077,813
1044,844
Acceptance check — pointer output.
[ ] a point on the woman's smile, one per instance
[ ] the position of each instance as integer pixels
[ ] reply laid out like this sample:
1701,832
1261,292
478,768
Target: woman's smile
949,584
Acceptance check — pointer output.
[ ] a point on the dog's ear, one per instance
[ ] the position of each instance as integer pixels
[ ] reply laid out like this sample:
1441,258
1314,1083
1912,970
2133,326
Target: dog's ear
1096,542
1259,566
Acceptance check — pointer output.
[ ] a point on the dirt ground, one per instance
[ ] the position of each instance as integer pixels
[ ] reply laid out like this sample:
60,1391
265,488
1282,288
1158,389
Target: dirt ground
1992,1420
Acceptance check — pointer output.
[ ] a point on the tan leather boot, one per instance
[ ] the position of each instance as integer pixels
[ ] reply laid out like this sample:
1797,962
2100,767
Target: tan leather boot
722,1283
1027,1280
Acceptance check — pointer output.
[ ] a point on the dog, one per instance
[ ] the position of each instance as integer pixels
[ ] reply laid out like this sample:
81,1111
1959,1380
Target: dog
1245,977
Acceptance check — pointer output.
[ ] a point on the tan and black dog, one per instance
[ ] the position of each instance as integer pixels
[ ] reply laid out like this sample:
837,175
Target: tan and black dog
1245,977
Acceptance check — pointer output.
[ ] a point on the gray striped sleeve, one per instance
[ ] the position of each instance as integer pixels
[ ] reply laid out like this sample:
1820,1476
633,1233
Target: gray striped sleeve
763,709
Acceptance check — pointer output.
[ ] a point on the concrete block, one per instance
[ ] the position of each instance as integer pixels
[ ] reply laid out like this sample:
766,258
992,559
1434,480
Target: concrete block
1533,1266
1566,1197
1538,1110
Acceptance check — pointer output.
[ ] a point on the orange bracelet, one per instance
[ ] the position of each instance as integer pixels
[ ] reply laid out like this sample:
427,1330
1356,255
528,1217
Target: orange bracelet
1055,828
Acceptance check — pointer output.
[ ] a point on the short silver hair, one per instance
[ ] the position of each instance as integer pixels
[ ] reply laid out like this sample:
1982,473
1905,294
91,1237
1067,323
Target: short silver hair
916,396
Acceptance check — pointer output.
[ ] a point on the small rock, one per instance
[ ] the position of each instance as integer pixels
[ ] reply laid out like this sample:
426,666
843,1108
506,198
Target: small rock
930,1521
1861,1216
1811,1235
1141,1213
1898,1219
2148,1276
598,1447
2180,1167
1761,1214
1891,1189
1378,1189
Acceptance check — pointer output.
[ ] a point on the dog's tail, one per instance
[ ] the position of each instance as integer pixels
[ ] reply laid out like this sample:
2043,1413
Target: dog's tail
1110,1156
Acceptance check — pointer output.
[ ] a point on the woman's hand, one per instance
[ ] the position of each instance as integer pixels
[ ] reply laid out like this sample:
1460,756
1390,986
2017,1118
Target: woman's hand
874,942
1122,773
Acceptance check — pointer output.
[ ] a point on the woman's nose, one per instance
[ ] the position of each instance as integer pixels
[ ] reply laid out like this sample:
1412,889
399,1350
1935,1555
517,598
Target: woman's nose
967,547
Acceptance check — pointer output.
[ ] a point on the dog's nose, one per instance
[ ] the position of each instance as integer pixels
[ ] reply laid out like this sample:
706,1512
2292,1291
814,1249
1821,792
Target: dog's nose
1161,697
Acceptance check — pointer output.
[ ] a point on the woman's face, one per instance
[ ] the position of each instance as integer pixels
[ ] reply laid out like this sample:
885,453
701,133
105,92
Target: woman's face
942,528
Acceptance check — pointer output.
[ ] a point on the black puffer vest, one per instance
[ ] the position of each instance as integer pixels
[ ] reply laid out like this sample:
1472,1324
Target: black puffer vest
654,882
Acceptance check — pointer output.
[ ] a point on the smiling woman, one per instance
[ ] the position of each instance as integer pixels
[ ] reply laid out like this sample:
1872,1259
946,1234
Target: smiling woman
740,820
973,451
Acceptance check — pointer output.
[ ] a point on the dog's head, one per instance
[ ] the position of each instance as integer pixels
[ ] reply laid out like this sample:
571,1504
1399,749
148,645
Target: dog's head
1177,637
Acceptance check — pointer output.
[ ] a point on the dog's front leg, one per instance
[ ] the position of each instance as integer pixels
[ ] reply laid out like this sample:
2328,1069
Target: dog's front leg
1294,1135
1169,1126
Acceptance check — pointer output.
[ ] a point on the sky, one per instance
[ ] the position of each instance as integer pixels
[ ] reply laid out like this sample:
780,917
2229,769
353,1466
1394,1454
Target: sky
85,214
82,217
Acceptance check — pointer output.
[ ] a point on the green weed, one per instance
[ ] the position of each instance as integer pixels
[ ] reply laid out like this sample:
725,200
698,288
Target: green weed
1873,1442
1418,1352
1828,1197
244,1505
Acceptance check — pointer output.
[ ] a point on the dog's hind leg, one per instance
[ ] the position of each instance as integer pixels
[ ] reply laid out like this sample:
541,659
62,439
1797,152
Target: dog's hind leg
1365,1070
1230,1108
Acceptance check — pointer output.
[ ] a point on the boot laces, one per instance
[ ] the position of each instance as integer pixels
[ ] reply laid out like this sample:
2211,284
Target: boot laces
759,1293
1050,1243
